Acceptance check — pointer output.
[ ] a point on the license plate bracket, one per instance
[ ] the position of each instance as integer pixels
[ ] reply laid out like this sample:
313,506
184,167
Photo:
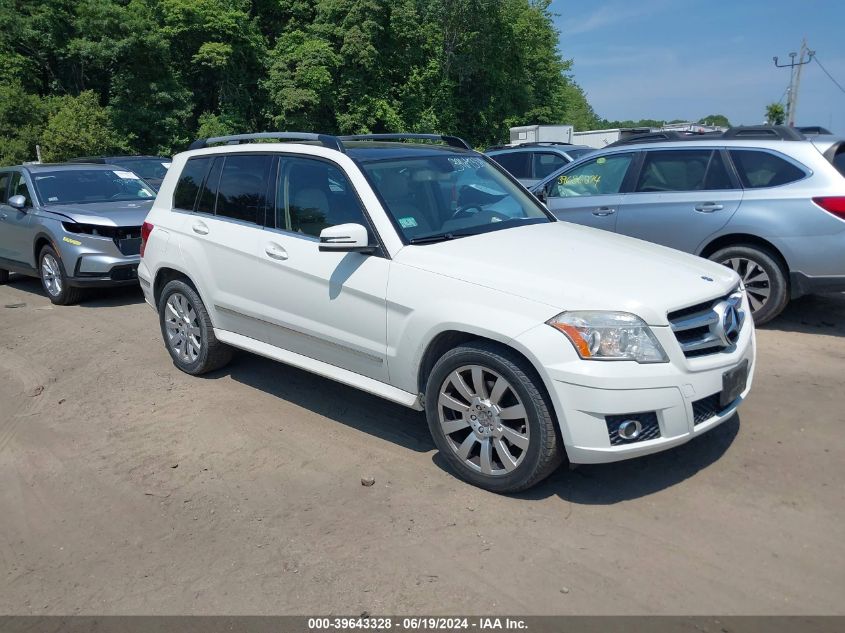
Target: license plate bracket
733,383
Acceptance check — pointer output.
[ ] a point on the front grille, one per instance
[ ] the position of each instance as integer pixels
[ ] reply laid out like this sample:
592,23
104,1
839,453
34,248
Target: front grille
700,329
128,240
648,420
707,408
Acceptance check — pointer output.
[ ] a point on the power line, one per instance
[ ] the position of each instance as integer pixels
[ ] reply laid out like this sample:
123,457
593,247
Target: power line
829,76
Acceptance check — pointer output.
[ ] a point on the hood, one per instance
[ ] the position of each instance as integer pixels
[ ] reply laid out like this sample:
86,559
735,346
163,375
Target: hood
123,213
572,267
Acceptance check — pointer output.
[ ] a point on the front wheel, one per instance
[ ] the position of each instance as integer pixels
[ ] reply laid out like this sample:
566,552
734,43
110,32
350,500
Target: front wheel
763,276
187,330
490,420
4,276
54,278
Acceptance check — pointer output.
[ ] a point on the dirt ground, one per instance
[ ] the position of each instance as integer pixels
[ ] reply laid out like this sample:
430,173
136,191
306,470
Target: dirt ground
127,487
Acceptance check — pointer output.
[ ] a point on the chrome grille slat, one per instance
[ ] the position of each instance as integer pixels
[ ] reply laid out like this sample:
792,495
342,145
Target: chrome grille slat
698,319
697,328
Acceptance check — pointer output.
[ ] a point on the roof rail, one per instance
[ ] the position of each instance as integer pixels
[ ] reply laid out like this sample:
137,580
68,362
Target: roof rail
332,142
813,130
780,132
528,144
654,137
452,141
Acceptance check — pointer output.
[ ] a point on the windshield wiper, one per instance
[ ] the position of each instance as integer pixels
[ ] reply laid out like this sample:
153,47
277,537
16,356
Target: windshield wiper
438,237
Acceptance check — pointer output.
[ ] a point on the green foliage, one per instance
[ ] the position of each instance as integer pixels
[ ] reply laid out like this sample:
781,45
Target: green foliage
79,125
716,119
775,114
150,75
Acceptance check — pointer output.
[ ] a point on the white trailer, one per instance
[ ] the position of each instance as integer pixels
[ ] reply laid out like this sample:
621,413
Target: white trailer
602,138
541,134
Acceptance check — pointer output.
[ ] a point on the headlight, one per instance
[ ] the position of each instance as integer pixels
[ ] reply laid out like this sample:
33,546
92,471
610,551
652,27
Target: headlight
610,336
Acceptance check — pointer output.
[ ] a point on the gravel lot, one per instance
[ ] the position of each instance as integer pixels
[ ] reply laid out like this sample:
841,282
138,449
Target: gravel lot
129,487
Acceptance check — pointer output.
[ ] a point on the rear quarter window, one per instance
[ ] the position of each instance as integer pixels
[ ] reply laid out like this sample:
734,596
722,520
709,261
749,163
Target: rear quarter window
838,159
763,169
190,181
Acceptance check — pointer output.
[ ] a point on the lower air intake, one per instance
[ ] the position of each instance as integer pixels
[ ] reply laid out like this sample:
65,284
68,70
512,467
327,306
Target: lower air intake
650,429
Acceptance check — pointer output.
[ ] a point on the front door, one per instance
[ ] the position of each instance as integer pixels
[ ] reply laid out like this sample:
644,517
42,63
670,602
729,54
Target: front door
591,192
324,305
15,232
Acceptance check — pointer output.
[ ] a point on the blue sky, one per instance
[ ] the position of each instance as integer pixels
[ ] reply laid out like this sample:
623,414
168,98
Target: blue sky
685,59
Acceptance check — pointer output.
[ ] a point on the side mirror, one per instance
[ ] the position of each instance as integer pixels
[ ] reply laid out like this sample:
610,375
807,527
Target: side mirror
346,238
18,202
540,194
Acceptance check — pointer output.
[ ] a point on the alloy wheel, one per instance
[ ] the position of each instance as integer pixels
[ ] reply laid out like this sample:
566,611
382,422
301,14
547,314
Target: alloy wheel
51,275
184,335
484,420
756,280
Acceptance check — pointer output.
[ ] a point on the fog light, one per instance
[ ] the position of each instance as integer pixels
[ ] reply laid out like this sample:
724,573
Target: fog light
630,430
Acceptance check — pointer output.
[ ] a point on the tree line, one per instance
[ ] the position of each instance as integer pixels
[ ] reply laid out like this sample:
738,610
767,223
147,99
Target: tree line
148,76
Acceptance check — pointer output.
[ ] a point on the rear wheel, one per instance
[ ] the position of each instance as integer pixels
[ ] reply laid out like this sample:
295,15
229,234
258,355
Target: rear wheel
54,278
490,420
188,332
763,276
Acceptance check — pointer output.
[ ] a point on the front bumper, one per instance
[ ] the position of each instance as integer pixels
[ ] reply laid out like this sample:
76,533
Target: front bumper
93,261
680,394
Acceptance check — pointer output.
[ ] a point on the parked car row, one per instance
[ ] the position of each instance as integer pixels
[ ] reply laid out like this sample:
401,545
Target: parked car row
418,270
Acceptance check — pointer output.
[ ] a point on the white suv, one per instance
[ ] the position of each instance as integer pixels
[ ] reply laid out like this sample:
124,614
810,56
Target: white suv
425,274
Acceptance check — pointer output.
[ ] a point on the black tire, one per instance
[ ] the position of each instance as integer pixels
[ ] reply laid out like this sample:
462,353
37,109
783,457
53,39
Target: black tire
4,276
777,285
545,450
212,353
67,295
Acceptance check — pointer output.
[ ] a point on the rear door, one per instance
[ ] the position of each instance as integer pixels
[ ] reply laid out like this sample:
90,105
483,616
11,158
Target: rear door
221,236
680,197
591,193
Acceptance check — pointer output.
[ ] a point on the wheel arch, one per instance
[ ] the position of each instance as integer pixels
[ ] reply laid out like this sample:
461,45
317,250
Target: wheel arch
744,239
42,239
165,275
450,339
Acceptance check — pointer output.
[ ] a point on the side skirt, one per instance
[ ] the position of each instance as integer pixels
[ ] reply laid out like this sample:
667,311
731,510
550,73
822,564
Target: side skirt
320,368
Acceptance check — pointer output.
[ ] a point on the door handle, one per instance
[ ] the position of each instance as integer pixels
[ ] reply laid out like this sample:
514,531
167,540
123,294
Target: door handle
3,216
200,228
276,252
709,207
603,211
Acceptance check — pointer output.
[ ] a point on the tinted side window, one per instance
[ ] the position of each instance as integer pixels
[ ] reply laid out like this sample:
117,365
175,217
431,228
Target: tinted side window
838,160
208,194
518,164
674,170
545,163
190,181
242,194
4,184
717,174
762,169
601,175
20,188
313,195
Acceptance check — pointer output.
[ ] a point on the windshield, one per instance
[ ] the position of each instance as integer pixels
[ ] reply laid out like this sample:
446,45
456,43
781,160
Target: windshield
147,168
80,186
450,195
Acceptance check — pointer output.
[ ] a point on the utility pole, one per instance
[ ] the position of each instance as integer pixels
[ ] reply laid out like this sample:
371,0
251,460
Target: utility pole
795,78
